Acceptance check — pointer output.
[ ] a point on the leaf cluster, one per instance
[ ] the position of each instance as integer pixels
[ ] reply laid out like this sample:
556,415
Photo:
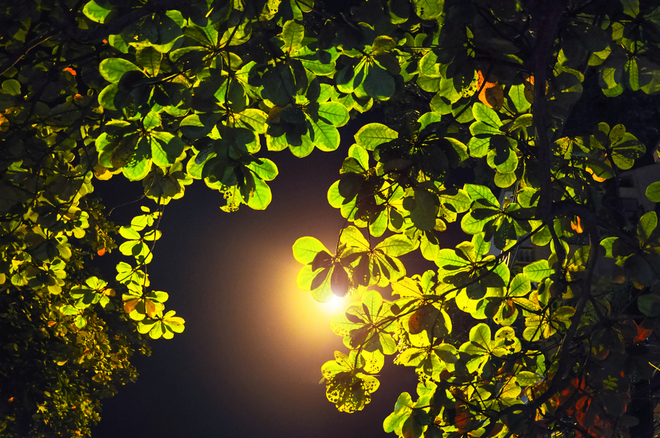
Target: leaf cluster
166,93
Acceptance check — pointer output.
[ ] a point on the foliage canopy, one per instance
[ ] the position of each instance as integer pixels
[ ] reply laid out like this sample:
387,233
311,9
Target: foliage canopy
503,137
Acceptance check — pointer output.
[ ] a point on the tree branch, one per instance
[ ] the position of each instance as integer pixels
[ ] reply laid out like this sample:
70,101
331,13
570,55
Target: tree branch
546,16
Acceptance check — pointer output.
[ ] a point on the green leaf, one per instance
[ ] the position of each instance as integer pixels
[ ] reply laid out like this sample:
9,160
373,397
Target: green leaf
255,119
431,117
520,285
402,410
527,378
537,271
643,268
374,134
69,310
520,122
260,197
625,148
348,79
479,146
429,66
505,180
107,97
630,7
151,120
325,137
480,335
653,191
632,70
11,86
502,156
449,260
482,192
174,323
333,113
481,246
292,35
96,12
129,233
302,150
425,209
264,168
112,69
646,225
149,58
428,9
278,86
460,148
353,237
383,43
166,148
137,170
396,245
486,115
378,84
517,96
199,125
399,11
372,303
649,305
151,236
625,154
306,248
80,321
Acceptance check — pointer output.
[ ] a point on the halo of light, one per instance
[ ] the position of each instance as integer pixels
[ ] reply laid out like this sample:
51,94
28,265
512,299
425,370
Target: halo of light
335,305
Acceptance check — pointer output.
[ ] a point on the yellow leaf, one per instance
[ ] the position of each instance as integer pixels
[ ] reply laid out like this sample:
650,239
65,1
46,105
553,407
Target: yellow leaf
594,176
101,172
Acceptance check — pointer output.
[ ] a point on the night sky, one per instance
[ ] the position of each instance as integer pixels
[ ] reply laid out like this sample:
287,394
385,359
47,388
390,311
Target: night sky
248,363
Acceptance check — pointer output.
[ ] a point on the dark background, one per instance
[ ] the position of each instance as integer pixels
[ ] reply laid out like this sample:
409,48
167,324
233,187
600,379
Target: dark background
248,363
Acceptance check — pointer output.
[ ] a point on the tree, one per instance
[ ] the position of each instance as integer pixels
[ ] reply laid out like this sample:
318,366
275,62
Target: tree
501,137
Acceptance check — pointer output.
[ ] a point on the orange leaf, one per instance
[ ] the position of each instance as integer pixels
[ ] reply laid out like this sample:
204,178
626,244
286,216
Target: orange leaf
492,94
150,308
480,79
581,409
101,251
129,305
462,421
642,334
70,70
577,227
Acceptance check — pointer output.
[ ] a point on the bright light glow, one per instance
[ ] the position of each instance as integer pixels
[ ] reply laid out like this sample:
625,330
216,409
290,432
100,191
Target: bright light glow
335,305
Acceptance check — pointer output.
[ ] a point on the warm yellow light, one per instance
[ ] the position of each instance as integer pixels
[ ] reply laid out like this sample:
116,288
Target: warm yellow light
335,305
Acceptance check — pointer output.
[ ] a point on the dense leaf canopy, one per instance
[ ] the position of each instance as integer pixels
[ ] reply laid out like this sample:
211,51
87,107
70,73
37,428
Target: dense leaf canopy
542,321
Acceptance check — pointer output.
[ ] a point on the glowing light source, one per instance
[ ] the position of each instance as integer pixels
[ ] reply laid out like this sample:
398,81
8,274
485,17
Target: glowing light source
335,305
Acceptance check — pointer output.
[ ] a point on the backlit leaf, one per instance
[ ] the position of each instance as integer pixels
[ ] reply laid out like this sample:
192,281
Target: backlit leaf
112,69
374,134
